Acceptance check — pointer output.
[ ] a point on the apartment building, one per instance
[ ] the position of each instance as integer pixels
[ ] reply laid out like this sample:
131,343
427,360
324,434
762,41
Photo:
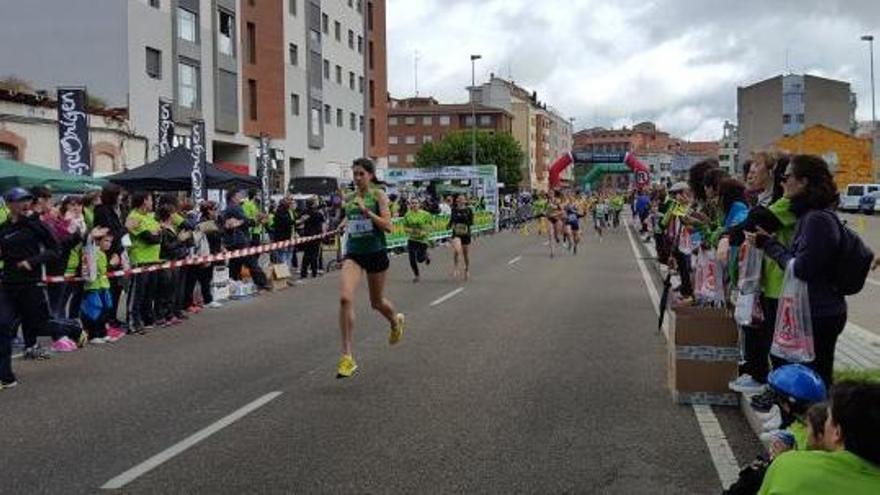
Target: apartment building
412,122
296,71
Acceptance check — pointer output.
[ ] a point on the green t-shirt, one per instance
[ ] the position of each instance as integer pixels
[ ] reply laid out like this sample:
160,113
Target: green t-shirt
418,225
89,216
816,472
363,235
142,252
251,211
101,281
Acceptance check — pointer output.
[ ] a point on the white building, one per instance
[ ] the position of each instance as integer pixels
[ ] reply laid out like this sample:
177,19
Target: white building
728,153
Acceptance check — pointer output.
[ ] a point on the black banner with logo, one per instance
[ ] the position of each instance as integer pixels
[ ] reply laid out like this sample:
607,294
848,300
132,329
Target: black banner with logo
198,152
166,127
263,171
73,132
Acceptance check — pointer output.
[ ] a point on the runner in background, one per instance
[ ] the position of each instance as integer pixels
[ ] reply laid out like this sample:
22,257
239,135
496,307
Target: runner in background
367,220
541,207
460,222
573,224
600,216
616,203
417,223
555,214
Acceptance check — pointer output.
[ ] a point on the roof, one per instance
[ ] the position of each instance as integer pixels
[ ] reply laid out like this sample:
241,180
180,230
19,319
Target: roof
444,108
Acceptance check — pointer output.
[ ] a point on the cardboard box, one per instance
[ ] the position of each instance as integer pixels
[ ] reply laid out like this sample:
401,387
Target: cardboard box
703,356
280,276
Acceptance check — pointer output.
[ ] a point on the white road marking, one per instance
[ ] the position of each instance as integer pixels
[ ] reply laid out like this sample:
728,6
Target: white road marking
447,297
514,260
722,455
178,448
873,282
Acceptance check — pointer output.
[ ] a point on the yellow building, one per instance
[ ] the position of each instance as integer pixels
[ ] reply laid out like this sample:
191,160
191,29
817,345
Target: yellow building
850,158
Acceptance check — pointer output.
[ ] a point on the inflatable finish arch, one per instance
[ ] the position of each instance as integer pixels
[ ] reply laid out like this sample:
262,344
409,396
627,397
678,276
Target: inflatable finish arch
604,163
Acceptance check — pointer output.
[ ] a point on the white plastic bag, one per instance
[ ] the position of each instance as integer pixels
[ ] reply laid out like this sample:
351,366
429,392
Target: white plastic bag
711,285
90,262
750,259
793,334
748,310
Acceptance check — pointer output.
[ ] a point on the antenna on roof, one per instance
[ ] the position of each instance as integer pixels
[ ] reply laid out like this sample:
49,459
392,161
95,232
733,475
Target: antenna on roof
416,67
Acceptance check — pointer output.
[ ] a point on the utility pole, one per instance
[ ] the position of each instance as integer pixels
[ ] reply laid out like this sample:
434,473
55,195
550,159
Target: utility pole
474,59
870,39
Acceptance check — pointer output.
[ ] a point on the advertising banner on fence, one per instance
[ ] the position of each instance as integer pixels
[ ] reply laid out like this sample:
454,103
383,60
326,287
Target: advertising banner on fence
483,178
198,152
73,132
166,127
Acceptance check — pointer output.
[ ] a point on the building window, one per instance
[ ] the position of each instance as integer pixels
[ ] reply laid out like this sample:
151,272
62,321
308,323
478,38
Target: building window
361,84
337,30
444,120
315,37
427,138
154,63
252,42
427,120
316,119
361,45
410,158
293,50
786,118
370,16
800,118
325,24
351,3
328,115
410,121
372,94
351,121
360,123
154,4
252,99
339,117
392,159
370,56
410,140
226,34
338,74
392,139
186,25
351,80
294,104
392,121
326,69
485,120
351,39
469,121
188,84
292,8
372,132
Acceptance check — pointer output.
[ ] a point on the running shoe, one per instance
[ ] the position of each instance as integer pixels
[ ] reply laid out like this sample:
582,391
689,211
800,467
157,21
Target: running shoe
214,305
5,385
745,384
99,341
113,337
63,344
37,352
398,329
194,309
346,366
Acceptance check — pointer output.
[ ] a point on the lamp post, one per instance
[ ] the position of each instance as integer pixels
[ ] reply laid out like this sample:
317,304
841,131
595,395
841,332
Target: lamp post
870,39
474,59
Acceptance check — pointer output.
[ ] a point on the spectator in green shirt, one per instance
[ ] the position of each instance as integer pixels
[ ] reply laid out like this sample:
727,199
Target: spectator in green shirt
144,232
417,223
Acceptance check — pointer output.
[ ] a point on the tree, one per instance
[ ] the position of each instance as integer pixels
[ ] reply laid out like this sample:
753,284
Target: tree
497,149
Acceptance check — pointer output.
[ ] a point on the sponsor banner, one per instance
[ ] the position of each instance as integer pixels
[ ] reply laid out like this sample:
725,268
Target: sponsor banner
73,132
166,127
484,221
198,152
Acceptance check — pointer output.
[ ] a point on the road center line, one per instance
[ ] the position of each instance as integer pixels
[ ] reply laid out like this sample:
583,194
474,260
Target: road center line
723,459
514,260
178,448
448,296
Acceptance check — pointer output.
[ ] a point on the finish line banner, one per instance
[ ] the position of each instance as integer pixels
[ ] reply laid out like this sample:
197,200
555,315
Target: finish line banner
73,132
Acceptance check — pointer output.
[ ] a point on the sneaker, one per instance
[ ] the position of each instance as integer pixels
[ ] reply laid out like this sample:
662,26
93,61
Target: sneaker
764,401
194,309
36,352
5,385
63,344
427,260
214,305
99,340
114,336
745,384
346,366
159,323
82,339
137,329
398,329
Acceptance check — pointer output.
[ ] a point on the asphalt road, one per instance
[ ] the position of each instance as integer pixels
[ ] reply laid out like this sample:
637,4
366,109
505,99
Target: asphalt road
541,376
864,309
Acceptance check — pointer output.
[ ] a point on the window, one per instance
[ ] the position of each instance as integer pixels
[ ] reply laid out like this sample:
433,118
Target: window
292,8
372,132
351,80
294,54
370,56
410,121
315,37
252,99
469,121
360,7
485,120
186,25
226,34
351,39
410,158
351,121
427,138
410,140
154,4
326,69
339,117
154,63
328,115
188,85
361,84
294,104
361,45
800,118
392,139
444,120
392,121
427,120
325,24
252,42
370,16
360,123
338,74
316,119
392,159
372,94
351,3
786,118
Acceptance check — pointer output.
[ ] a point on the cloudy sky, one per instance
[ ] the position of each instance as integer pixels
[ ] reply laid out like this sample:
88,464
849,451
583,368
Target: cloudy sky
616,62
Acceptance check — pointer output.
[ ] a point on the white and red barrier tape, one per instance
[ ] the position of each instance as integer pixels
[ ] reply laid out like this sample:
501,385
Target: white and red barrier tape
198,260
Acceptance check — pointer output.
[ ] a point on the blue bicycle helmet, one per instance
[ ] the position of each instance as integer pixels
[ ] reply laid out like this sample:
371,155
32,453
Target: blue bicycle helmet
798,382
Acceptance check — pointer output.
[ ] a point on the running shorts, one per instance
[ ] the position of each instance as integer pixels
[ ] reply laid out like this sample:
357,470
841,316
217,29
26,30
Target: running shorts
371,262
465,239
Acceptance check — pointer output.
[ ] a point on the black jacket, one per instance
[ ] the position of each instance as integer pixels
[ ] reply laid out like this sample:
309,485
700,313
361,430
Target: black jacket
105,216
29,240
282,227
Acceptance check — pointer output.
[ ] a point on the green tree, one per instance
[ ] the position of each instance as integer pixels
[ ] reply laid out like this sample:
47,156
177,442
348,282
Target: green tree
497,149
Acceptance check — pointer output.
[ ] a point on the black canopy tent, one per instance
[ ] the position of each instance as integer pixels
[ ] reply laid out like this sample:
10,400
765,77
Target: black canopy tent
173,172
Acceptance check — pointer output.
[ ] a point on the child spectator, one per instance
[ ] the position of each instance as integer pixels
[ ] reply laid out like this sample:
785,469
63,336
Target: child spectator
96,310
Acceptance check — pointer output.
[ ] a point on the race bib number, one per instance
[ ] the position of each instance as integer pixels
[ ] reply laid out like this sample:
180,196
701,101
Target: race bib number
460,229
572,218
360,227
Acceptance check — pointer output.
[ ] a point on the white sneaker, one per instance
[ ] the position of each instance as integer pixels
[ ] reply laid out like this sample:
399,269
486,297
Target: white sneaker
214,305
99,340
745,384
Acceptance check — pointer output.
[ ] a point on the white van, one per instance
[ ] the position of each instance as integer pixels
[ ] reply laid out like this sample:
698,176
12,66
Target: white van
849,201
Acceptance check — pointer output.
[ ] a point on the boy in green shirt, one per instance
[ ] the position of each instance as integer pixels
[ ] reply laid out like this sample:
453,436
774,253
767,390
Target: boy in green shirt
96,309
417,223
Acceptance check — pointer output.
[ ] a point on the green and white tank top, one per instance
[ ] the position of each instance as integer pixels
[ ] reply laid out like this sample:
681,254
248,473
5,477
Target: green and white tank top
364,237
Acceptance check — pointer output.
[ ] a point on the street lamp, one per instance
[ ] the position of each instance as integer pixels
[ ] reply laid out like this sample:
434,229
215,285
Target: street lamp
474,59
870,39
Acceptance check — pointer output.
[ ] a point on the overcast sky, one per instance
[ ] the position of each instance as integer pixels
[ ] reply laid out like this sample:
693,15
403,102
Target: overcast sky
616,62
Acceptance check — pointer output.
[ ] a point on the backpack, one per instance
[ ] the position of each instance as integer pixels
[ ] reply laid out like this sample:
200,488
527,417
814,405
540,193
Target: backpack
853,263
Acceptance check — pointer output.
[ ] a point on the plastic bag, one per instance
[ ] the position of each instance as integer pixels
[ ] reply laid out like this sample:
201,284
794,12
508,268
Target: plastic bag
750,259
711,287
748,310
90,262
793,334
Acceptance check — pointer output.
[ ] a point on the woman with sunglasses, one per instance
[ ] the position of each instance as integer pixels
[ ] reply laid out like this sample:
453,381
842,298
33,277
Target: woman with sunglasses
367,220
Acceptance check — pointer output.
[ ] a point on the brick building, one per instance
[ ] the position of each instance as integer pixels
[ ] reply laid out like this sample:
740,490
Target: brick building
413,122
849,158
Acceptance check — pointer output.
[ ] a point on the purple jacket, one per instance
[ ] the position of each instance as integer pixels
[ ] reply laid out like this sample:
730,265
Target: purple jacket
814,248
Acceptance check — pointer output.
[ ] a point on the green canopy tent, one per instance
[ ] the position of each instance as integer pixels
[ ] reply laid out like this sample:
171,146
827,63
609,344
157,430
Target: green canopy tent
19,174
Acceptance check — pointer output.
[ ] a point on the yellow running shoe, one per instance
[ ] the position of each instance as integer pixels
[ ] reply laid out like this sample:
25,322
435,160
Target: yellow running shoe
397,329
346,366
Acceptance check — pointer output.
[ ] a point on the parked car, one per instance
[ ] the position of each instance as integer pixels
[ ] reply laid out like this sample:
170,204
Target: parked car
869,203
854,192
